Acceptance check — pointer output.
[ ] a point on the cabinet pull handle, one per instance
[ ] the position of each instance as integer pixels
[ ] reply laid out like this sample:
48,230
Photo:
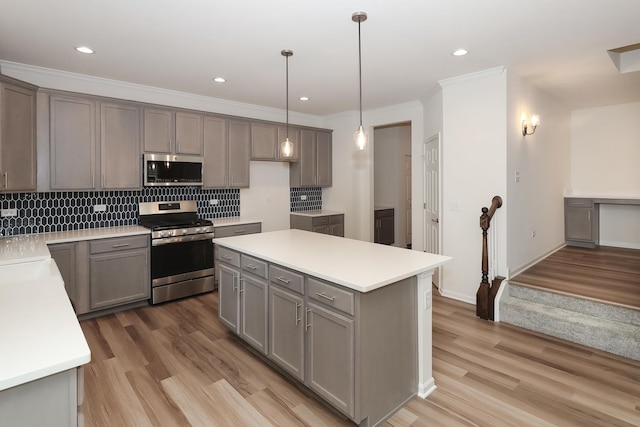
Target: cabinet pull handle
240,282
234,287
121,245
589,213
227,257
298,305
283,280
251,266
307,325
103,180
325,296
93,181
6,180
239,231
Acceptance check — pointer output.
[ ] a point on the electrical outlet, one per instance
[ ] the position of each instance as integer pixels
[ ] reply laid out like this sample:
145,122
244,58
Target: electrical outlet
303,197
533,234
427,299
517,176
9,212
99,208
214,202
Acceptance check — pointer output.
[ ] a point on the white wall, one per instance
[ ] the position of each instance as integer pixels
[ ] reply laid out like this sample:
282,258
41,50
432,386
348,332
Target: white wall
605,146
536,203
268,197
474,165
353,170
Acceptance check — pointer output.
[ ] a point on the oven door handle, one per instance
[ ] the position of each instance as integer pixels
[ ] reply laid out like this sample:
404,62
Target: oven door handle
180,239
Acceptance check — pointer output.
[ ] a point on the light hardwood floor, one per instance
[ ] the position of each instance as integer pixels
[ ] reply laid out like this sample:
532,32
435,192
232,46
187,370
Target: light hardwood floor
176,365
605,274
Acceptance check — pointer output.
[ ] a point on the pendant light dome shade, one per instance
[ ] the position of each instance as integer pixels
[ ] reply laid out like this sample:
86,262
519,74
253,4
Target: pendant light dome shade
286,147
360,136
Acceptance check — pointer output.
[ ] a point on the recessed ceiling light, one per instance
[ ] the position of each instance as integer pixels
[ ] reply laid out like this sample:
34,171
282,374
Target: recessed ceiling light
460,52
84,49
219,80
304,98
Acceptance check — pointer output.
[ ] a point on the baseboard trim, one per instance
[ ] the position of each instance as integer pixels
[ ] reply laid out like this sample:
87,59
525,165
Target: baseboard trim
520,269
426,388
496,302
460,297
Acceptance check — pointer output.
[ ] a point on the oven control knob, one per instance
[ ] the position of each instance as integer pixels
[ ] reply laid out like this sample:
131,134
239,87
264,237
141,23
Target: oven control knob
201,230
166,233
184,231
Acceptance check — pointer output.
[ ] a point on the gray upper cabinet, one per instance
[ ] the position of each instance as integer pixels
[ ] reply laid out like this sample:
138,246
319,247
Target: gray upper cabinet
18,163
294,137
239,154
226,153
158,131
120,145
264,141
73,143
171,132
314,169
189,134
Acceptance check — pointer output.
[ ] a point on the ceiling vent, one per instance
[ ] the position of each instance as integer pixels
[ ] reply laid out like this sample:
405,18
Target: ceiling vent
627,58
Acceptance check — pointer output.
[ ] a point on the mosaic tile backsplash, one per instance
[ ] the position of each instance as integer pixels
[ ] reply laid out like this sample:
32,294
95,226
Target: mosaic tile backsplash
313,199
73,210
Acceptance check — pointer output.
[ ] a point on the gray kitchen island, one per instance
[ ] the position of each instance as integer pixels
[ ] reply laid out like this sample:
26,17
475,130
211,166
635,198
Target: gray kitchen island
351,320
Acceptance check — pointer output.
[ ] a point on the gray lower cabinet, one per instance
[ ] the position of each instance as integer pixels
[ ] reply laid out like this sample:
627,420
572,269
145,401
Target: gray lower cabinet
581,222
384,226
54,400
119,271
357,351
233,230
17,136
64,254
325,224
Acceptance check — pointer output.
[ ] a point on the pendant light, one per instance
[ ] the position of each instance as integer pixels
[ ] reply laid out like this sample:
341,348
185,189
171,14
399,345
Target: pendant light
360,136
286,147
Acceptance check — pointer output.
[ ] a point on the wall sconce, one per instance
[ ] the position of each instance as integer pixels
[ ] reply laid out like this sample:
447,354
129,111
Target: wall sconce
529,128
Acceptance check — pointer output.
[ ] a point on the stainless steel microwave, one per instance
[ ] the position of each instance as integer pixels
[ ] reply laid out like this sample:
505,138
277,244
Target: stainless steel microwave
172,170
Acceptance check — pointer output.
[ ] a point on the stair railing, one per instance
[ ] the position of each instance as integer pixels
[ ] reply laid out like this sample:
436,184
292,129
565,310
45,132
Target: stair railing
486,294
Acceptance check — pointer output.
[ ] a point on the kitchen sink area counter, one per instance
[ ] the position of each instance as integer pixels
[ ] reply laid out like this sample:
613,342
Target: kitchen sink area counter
350,320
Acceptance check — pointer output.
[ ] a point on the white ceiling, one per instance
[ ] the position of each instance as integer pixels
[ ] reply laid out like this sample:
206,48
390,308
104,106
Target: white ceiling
558,45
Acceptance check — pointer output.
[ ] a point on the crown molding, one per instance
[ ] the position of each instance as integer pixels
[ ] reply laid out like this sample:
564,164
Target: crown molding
472,76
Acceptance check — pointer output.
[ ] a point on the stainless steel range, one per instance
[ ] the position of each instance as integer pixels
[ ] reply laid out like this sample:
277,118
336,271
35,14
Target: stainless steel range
181,249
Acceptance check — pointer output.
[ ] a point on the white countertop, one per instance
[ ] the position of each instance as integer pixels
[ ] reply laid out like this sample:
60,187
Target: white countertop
39,332
33,247
233,220
355,264
319,212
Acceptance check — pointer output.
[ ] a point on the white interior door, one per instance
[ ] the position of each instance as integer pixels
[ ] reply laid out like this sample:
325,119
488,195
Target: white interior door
432,199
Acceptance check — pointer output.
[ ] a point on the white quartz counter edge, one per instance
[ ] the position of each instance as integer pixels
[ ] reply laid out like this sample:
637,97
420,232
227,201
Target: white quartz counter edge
320,212
355,264
39,332
233,220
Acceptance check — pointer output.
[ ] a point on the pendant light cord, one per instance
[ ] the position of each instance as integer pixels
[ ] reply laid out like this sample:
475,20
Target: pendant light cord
360,69
287,101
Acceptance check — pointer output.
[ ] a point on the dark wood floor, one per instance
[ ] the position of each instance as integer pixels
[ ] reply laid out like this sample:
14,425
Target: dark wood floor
605,274
176,365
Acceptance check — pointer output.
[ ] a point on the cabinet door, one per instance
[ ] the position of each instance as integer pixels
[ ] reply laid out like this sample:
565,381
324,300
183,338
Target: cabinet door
73,143
324,171
294,137
17,138
229,302
189,134
119,278
64,254
214,171
120,143
264,141
307,162
337,230
253,306
578,224
158,131
330,350
239,152
286,331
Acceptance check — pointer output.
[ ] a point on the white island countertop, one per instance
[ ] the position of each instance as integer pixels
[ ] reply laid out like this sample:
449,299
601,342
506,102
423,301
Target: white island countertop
39,332
355,264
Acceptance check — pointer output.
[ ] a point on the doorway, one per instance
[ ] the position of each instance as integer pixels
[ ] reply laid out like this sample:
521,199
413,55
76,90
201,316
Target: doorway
392,180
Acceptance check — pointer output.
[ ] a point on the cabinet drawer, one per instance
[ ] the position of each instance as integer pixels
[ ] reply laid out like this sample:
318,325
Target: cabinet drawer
330,295
238,230
228,256
254,266
287,278
578,202
118,244
336,219
320,220
383,213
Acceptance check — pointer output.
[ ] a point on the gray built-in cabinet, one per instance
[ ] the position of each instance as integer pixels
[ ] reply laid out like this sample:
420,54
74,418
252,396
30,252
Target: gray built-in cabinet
384,226
332,224
173,132
105,273
581,222
266,139
355,350
120,136
314,169
17,136
226,153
